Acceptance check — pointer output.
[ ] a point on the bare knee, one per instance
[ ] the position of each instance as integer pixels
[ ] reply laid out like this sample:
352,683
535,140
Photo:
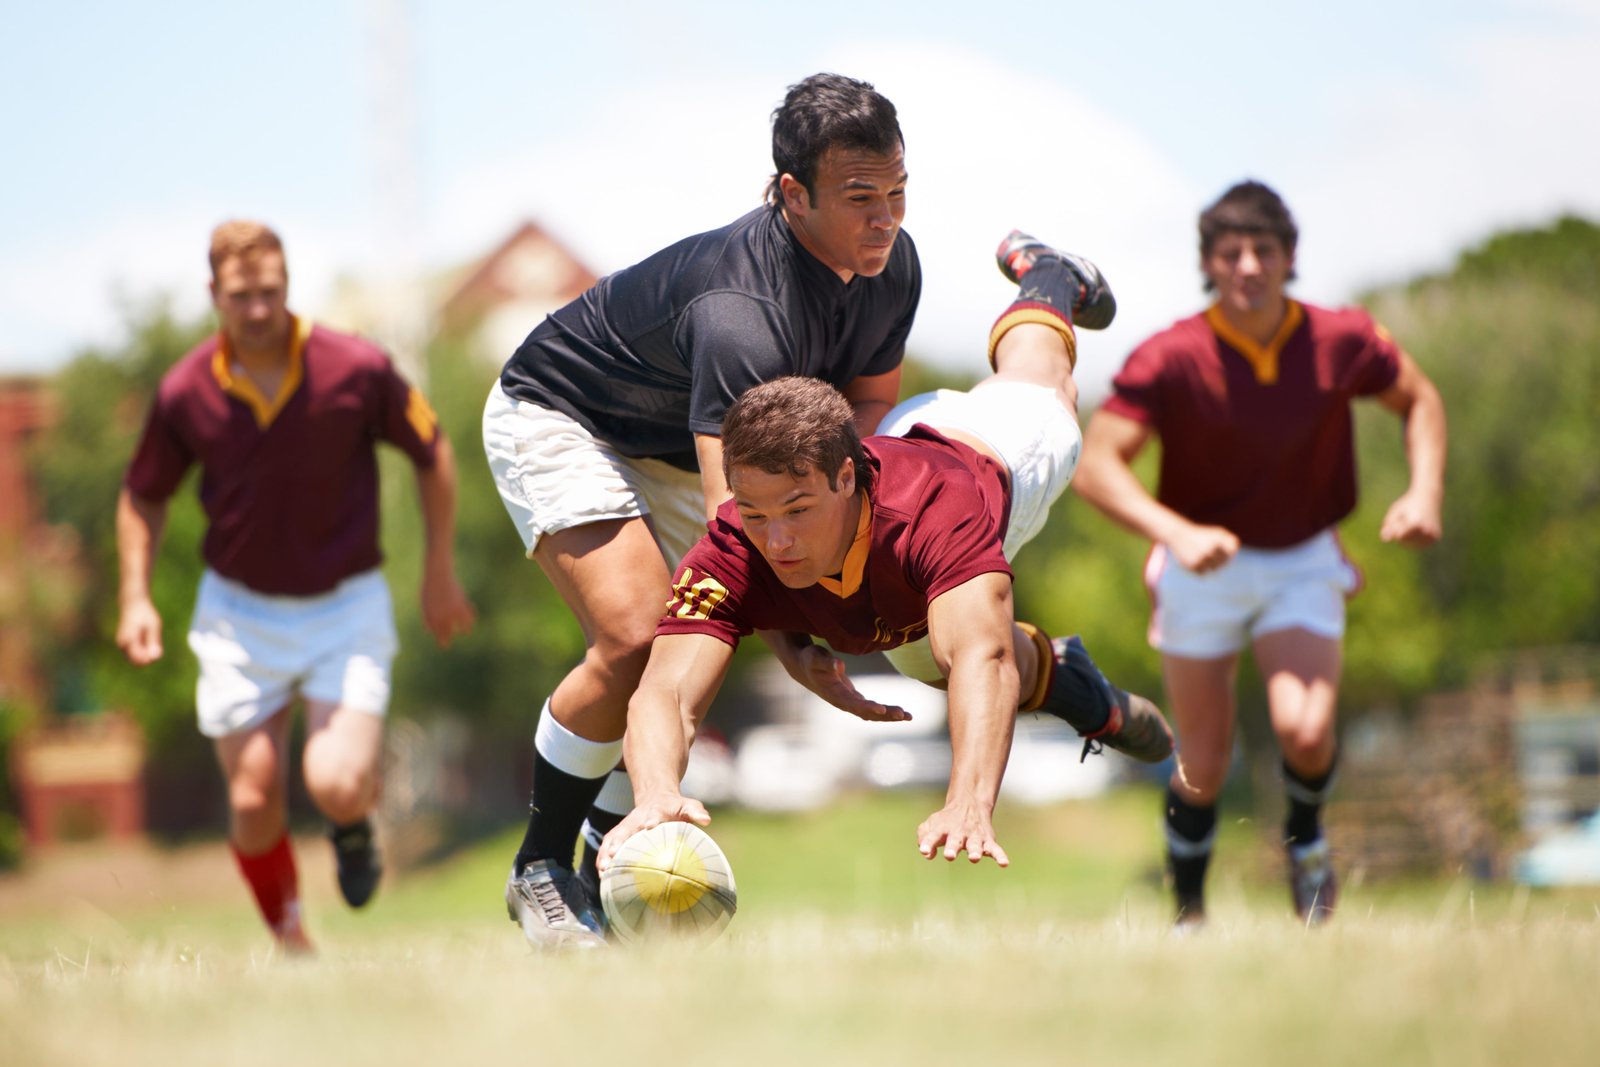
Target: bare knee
1308,749
346,796
619,654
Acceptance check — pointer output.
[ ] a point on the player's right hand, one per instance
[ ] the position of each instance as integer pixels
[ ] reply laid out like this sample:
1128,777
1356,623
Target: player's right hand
139,632
651,811
1203,549
823,673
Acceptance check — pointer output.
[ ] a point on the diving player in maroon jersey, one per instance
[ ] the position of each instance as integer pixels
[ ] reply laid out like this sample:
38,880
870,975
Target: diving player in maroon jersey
898,543
1251,401
602,436
282,416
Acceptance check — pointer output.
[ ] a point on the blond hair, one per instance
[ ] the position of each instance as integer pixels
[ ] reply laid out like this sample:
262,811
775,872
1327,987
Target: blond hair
242,238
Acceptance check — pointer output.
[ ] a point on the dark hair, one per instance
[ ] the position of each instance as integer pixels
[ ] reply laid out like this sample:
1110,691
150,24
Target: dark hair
1248,207
794,425
827,111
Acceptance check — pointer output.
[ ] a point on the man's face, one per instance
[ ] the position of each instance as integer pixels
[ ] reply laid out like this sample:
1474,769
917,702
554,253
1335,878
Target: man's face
801,527
251,296
1249,270
860,203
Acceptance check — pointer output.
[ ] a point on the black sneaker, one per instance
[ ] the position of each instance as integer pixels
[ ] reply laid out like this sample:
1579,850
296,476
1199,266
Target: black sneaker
552,909
1191,916
1134,727
1312,884
1095,306
357,855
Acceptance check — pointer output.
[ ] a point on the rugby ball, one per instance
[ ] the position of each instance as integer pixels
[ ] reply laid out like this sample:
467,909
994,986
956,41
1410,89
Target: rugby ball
668,881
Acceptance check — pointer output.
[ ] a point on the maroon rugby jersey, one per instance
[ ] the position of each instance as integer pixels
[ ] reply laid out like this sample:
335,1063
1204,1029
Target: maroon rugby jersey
1258,439
289,484
937,519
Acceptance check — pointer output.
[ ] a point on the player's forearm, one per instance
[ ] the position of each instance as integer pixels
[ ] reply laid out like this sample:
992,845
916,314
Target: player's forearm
139,526
983,691
787,647
869,414
436,494
1107,482
1427,441
656,746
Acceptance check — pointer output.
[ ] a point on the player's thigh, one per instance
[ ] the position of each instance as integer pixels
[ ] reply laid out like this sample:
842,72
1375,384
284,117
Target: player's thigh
611,575
1302,670
1201,694
343,744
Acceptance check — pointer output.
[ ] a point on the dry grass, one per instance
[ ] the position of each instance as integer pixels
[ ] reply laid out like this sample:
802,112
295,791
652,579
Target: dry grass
166,967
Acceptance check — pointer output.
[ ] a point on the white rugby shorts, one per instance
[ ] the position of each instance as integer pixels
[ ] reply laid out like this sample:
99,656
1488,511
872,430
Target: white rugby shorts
1028,427
257,651
553,474
1259,591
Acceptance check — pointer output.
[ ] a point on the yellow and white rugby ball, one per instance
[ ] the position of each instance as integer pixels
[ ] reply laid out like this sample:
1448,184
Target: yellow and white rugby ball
671,879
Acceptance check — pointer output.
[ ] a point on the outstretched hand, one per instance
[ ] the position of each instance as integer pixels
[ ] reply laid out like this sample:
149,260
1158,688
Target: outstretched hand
824,674
651,811
960,827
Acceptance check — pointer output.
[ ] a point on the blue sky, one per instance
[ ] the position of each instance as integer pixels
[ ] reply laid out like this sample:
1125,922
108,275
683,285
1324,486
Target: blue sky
1398,132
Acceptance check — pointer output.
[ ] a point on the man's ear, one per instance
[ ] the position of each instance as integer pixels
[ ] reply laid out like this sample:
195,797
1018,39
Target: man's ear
794,194
847,477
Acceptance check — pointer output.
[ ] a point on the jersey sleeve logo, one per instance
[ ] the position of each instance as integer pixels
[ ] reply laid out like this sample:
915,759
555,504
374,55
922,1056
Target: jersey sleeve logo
697,600
421,416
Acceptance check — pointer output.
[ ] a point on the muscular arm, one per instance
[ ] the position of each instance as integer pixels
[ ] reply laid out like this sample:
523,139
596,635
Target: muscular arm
446,611
140,523
715,487
1414,519
970,630
872,396
683,674
1105,479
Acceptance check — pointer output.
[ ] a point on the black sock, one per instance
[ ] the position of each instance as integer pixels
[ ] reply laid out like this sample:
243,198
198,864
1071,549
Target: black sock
1190,831
556,812
1078,692
1306,797
1050,281
599,823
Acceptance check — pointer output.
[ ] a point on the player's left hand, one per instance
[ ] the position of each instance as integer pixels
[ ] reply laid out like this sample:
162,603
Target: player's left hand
648,812
824,674
446,611
1413,521
961,827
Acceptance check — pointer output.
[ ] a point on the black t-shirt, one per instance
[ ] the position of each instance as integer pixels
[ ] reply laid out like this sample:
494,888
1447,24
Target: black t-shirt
655,353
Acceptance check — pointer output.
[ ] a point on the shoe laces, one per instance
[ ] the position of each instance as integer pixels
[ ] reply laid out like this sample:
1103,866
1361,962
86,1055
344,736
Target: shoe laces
547,895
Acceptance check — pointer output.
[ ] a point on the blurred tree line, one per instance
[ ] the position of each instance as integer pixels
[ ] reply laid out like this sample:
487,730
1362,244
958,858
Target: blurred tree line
1511,336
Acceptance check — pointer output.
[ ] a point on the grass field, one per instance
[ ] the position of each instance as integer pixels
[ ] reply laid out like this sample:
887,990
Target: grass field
848,948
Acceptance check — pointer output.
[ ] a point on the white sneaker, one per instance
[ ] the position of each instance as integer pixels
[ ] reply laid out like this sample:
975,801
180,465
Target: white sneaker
546,901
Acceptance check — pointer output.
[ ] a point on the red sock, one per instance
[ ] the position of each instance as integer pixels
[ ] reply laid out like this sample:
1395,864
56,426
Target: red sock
272,878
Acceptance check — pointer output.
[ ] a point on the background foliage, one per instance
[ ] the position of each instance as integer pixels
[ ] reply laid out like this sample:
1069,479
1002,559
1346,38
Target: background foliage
1511,335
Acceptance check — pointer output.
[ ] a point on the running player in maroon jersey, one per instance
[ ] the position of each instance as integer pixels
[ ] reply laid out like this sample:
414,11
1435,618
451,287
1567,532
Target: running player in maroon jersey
899,544
1251,401
282,417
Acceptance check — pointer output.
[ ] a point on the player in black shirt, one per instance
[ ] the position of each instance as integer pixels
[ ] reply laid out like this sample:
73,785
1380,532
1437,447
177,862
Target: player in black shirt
602,434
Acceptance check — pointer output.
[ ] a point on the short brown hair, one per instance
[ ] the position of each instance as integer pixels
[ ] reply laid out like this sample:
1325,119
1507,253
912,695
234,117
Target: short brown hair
1248,207
243,238
794,425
